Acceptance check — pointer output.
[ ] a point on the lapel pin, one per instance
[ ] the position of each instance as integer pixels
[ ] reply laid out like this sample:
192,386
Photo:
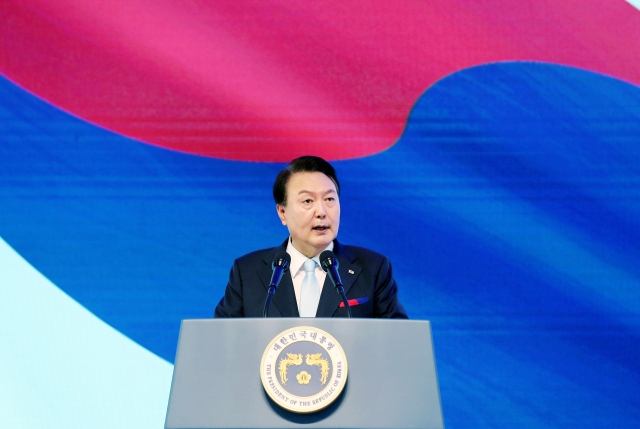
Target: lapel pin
351,272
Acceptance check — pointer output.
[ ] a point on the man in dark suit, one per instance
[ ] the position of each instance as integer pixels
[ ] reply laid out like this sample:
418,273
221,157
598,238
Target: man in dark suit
307,201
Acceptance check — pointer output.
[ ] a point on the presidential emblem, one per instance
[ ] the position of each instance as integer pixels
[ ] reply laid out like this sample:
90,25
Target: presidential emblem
303,369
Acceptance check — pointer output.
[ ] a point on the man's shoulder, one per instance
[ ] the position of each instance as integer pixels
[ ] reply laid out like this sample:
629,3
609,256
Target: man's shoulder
265,255
357,252
257,255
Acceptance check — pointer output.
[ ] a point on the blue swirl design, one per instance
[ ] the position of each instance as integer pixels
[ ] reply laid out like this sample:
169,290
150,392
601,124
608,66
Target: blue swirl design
509,208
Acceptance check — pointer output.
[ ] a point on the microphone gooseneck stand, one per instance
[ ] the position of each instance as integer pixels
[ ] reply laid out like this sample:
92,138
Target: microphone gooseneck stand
267,302
344,299
279,266
329,264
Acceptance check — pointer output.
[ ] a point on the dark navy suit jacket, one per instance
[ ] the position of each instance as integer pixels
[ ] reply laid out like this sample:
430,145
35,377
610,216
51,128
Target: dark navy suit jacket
366,276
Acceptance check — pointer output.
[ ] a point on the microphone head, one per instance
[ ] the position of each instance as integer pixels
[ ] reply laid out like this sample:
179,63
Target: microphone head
282,259
327,259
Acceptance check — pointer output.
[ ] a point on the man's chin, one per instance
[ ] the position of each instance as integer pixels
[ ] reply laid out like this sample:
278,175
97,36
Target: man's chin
324,241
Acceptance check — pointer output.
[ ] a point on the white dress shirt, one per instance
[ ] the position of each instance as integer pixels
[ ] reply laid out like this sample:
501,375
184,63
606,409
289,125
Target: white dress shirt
296,268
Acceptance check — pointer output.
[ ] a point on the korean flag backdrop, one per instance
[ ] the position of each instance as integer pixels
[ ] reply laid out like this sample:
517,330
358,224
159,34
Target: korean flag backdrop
489,148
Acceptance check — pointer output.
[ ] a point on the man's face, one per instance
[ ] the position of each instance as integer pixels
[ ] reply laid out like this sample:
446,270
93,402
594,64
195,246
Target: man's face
312,213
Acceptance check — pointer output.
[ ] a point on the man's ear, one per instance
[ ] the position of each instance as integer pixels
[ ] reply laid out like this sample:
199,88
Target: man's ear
282,213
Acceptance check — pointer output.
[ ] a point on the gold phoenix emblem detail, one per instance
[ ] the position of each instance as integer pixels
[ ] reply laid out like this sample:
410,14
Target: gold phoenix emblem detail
311,359
291,359
316,359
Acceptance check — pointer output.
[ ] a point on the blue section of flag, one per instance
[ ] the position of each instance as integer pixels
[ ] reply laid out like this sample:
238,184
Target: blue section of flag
509,209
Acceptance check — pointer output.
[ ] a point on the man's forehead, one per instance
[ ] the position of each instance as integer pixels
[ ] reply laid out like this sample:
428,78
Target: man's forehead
310,183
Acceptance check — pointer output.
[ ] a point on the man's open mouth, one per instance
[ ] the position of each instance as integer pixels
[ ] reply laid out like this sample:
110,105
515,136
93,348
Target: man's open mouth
320,228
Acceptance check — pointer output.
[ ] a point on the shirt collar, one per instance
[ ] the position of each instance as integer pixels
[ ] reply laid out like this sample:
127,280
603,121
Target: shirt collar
298,259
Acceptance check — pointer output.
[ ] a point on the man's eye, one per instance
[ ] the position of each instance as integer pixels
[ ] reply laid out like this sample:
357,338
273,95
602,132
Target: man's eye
331,199
307,201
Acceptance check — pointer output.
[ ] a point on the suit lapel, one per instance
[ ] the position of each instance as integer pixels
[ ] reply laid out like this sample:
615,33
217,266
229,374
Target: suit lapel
330,299
284,299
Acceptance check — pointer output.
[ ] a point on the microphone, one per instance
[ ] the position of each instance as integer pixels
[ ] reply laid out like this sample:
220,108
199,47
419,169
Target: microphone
329,264
279,266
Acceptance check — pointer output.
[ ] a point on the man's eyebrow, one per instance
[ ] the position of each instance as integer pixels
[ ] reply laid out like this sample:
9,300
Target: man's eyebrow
304,191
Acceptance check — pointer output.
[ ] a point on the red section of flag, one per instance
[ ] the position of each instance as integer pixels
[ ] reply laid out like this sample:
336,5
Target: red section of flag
267,81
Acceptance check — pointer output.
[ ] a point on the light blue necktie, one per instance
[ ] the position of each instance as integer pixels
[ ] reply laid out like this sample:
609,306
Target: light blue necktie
310,291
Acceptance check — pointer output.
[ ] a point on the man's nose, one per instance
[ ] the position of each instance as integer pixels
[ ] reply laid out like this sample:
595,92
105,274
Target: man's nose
321,210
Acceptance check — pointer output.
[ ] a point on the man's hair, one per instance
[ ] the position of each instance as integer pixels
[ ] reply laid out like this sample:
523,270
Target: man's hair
304,164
